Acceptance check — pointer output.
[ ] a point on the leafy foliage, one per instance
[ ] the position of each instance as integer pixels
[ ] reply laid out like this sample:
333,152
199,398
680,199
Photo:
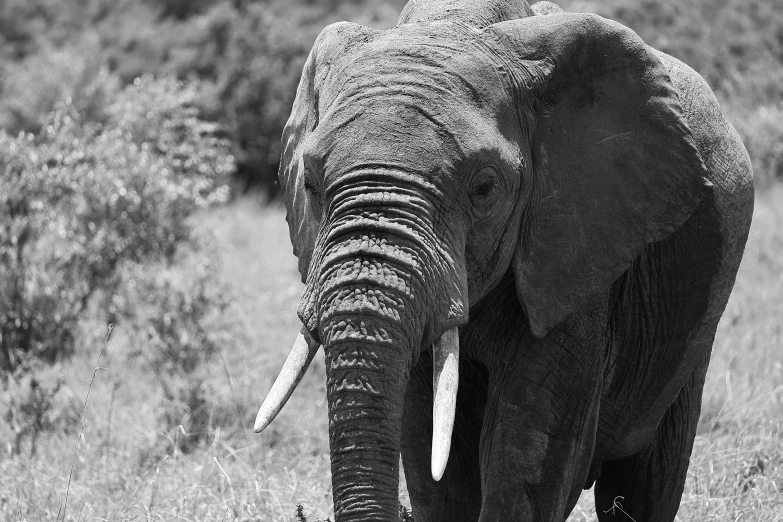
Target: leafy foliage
177,313
31,406
249,54
761,130
183,323
81,199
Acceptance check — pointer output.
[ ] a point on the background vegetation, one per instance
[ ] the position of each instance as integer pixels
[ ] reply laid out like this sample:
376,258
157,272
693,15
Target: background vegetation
248,56
125,128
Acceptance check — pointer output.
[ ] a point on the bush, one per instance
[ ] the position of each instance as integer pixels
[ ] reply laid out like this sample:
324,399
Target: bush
761,130
179,315
193,411
249,54
32,87
82,199
33,405
183,325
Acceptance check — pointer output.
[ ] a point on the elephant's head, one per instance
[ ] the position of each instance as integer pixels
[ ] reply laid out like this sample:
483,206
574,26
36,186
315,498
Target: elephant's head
424,162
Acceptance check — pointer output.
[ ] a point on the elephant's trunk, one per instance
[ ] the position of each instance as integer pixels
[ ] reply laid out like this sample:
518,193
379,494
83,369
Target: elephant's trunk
370,336
380,296
367,373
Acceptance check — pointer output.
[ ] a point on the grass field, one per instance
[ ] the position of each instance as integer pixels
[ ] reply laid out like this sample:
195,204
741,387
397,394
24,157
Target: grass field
123,471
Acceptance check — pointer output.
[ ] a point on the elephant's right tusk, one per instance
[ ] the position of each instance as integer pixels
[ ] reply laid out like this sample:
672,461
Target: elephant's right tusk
445,381
293,370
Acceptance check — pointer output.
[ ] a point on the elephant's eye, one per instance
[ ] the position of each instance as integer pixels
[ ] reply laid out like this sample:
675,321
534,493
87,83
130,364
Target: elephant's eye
483,189
313,195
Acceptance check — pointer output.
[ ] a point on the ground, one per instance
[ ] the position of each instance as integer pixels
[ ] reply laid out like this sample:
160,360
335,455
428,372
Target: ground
122,470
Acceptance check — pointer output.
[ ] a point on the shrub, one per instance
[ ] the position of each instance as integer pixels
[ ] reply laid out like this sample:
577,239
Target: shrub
82,199
180,315
761,130
183,323
32,87
32,405
181,9
192,411
249,53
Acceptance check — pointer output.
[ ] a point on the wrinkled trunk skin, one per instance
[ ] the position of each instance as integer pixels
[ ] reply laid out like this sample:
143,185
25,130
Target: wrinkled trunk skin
365,389
368,347
373,312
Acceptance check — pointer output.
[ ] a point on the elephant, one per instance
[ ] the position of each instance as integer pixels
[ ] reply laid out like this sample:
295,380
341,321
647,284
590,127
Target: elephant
518,229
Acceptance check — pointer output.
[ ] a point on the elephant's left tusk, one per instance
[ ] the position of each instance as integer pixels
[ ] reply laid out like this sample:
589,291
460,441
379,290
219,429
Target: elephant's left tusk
445,380
292,372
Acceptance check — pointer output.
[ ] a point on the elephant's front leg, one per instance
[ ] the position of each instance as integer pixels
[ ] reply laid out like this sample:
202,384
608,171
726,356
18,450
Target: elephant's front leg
540,427
457,496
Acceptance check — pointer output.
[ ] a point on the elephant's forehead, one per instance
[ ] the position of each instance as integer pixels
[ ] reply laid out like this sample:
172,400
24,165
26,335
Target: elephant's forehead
421,141
394,134
450,67
412,96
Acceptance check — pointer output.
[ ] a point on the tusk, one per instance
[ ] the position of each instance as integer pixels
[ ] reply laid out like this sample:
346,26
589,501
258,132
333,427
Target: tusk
445,380
293,370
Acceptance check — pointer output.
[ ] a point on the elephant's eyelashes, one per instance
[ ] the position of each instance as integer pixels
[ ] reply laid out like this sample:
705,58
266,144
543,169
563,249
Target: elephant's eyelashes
483,188
313,194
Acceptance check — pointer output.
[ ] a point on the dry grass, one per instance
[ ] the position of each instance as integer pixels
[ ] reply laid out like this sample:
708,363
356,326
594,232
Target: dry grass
121,473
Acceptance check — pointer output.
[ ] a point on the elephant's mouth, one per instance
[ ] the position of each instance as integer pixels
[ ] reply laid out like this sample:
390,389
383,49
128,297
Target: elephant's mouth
445,381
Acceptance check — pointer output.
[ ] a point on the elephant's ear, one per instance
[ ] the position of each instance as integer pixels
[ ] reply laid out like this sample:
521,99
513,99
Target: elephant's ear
303,223
614,164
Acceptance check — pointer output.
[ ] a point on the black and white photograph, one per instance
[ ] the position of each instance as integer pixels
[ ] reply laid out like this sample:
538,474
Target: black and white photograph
389,261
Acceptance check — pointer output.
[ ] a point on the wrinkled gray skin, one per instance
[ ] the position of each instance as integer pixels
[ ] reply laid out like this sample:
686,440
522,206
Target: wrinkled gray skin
570,198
